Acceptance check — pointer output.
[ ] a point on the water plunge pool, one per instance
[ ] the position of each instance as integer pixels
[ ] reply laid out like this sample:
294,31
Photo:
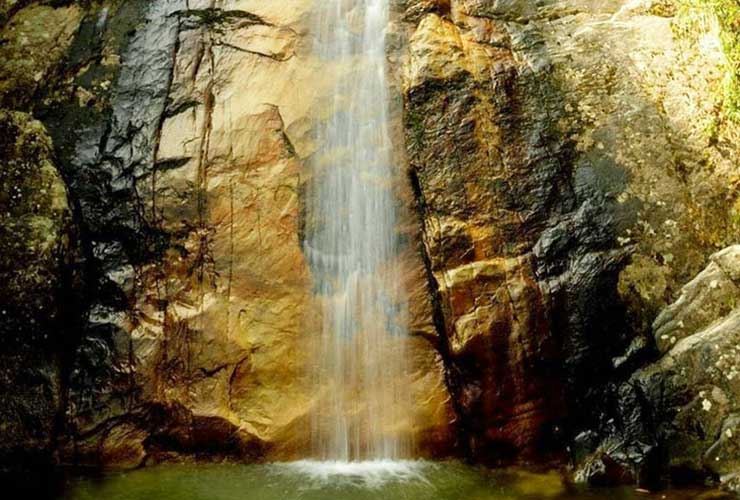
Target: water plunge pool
307,480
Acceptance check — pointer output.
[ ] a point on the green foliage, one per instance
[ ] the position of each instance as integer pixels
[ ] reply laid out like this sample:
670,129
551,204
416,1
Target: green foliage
693,14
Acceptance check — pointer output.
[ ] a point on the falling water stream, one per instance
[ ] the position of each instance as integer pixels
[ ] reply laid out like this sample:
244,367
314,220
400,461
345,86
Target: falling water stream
352,246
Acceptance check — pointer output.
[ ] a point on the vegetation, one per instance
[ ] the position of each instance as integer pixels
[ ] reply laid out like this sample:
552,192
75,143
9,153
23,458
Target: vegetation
725,14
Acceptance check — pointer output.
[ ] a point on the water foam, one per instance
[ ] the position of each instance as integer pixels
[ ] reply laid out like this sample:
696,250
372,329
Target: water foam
369,473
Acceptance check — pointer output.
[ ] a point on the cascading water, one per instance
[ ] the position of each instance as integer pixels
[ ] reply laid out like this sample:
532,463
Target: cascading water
352,246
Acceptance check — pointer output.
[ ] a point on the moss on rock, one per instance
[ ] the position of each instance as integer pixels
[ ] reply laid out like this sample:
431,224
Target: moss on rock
35,235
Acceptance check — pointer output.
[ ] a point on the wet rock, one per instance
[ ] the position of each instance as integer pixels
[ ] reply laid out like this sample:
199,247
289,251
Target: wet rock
711,295
698,374
603,470
189,175
123,447
494,311
35,41
521,146
570,173
685,404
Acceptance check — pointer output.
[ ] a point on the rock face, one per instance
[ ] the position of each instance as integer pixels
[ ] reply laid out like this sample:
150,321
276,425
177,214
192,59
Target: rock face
684,406
699,338
565,168
183,131
201,351
564,200
463,111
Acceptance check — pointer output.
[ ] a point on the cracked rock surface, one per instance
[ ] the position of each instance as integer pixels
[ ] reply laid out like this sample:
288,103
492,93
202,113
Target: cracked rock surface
182,129
568,188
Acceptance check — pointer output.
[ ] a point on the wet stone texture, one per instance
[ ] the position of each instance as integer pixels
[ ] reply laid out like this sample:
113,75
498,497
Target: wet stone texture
38,247
685,405
181,130
573,170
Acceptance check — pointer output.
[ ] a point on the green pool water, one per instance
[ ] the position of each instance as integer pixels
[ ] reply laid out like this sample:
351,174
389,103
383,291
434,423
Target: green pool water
321,481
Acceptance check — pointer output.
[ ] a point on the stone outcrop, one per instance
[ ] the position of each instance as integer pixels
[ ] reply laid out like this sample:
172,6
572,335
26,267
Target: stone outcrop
460,109
699,339
683,408
570,190
36,39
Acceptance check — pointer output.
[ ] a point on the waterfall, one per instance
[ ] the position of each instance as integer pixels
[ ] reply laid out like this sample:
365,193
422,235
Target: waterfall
352,246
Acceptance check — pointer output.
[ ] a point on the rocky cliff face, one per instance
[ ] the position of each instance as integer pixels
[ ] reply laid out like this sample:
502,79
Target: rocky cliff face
565,168
574,166
684,406
182,132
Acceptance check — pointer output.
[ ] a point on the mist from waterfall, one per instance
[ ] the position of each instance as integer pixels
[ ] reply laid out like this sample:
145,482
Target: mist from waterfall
352,246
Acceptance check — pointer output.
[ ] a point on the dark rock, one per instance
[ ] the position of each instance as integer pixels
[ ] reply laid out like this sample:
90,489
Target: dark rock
685,405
